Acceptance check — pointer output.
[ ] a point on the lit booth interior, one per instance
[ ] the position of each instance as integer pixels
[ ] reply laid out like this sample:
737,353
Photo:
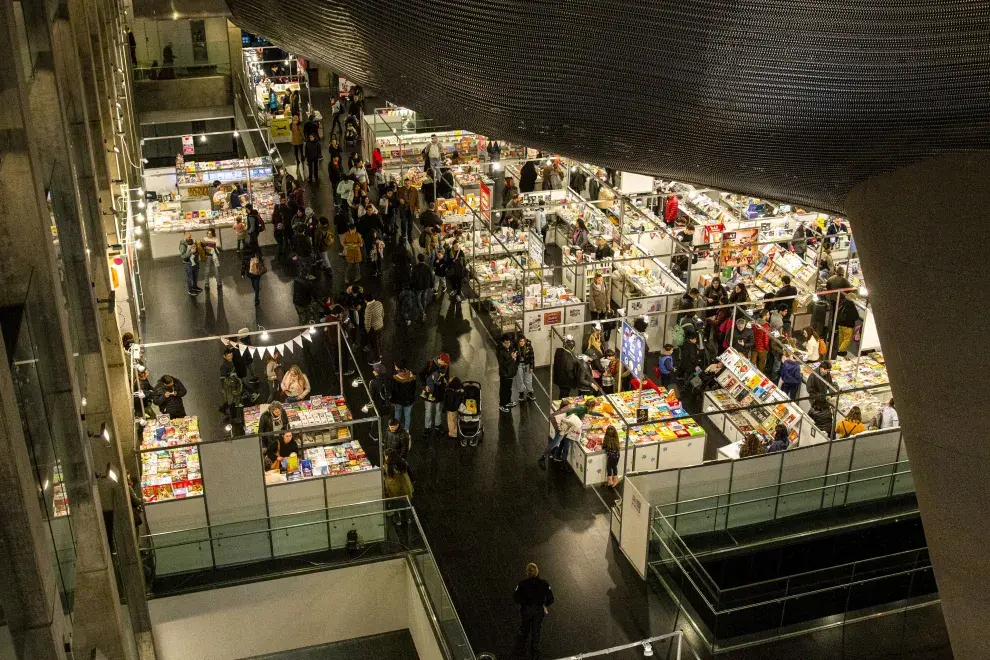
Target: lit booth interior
271,72
221,463
190,193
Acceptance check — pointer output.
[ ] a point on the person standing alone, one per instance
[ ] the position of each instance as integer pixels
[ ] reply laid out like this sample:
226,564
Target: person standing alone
534,597
190,258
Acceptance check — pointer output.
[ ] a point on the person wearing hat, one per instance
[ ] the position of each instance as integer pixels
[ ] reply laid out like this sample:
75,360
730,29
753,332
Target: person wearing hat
435,377
144,392
507,368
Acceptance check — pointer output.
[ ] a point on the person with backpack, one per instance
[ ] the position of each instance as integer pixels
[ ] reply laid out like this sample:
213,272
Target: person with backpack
846,320
256,268
255,224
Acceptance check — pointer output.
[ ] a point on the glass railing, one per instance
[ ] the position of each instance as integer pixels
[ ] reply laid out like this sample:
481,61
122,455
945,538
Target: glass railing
277,546
888,486
799,602
181,71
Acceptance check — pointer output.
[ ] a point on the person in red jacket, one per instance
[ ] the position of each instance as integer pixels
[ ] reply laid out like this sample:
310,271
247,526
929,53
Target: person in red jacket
761,340
376,159
670,210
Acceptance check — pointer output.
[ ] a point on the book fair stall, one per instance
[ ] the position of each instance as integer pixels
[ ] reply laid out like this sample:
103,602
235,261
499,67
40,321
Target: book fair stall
194,196
221,470
655,432
268,75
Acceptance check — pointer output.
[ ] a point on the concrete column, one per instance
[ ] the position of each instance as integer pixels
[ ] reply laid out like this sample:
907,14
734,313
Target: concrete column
922,234
28,591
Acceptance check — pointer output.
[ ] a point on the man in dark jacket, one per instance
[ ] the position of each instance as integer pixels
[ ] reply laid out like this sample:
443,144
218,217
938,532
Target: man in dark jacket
509,193
565,369
429,217
819,383
281,221
396,439
821,415
527,177
689,303
168,397
302,298
312,150
421,283
534,596
846,319
743,338
507,368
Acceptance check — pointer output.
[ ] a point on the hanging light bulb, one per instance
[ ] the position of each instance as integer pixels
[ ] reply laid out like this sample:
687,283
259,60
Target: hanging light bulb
264,336
237,134
137,244
137,231
139,217
141,204
202,139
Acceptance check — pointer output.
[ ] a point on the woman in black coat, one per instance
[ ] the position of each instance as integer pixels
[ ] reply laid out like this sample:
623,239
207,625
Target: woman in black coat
527,177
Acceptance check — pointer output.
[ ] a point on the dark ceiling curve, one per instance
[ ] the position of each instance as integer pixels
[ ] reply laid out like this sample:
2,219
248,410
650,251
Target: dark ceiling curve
787,99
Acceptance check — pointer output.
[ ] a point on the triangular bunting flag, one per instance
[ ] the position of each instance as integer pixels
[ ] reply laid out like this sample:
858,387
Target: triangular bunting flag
280,349
298,340
306,335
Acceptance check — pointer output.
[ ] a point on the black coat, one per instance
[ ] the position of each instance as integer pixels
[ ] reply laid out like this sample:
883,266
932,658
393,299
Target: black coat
565,369
170,405
398,441
312,149
421,278
848,315
691,357
302,292
403,392
507,365
527,177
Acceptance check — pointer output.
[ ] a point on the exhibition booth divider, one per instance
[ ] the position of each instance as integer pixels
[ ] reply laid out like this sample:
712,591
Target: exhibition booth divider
721,495
187,197
221,457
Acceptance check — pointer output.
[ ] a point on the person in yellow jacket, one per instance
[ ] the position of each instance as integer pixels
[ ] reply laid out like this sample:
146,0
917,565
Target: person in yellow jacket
851,425
352,242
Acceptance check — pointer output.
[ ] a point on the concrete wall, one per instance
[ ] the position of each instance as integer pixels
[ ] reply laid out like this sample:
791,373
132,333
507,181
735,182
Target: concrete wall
293,612
182,93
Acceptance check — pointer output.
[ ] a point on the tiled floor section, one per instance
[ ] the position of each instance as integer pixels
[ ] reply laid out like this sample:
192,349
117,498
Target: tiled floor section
489,510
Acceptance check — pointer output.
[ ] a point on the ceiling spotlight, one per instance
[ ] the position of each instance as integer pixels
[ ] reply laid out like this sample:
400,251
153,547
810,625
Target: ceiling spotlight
139,190
117,103
237,134
83,402
357,381
139,217
287,61
137,244
175,15
115,150
228,428
141,204
264,336
647,649
137,231
202,139
144,160
366,407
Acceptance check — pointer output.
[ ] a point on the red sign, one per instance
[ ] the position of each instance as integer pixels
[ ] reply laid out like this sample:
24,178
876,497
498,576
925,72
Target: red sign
485,203
551,318
188,147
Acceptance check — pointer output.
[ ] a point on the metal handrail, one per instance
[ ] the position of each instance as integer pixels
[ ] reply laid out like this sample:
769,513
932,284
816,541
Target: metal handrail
827,568
207,528
778,495
428,606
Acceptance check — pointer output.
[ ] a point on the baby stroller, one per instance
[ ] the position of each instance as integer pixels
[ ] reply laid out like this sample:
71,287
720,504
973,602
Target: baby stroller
469,427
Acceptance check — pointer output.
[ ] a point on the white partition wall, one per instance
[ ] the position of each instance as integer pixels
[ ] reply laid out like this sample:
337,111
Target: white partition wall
801,477
753,489
179,516
873,449
708,485
286,504
236,500
635,532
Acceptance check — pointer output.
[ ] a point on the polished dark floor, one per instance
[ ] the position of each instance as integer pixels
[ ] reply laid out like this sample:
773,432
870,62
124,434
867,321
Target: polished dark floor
489,510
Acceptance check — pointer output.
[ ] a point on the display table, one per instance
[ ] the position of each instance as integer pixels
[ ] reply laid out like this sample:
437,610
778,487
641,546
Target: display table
668,439
744,386
870,370
170,467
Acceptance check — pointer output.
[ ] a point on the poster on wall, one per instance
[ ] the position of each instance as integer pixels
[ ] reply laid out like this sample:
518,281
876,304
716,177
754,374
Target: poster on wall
739,247
188,147
575,314
534,324
633,350
280,127
485,202
535,248
552,318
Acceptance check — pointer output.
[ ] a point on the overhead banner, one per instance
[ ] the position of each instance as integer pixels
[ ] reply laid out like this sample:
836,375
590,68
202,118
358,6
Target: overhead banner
262,351
633,350
188,147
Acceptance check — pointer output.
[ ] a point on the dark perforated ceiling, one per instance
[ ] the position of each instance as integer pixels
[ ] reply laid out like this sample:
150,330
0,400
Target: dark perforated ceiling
785,99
